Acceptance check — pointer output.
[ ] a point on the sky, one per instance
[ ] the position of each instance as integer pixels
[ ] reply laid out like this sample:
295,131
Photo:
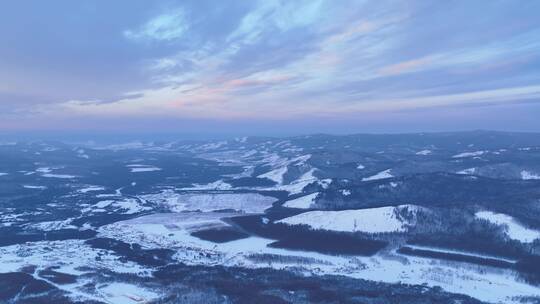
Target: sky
250,67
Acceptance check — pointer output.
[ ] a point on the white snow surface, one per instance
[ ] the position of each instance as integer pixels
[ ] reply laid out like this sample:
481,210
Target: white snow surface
424,152
123,293
303,202
467,171
53,225
345,192
514,229
242,202
279,166
380,175
125,206
217,185
372,220
130,206
526,175
136,168
91,189
469,154
34,187
62,176
275,175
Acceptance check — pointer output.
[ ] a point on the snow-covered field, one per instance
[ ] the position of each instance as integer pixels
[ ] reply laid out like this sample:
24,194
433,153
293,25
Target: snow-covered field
372,220
514,229
244,202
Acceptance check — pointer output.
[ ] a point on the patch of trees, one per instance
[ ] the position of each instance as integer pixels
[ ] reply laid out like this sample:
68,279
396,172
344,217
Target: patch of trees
303,238
55,235
220,235
456,257
133,252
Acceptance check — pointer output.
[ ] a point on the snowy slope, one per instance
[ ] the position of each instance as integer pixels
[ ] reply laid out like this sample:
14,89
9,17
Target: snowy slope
303,202
380,175
373,220
514,229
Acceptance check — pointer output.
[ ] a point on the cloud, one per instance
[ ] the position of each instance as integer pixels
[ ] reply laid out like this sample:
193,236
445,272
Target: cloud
405,66
165,27
273,59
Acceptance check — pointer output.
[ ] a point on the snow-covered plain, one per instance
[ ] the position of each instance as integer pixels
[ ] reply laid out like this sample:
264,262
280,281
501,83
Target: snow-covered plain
514,229
372,220
243,202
